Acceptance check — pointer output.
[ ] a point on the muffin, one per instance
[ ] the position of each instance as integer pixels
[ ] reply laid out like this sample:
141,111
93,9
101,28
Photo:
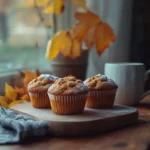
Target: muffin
102,91
68,96
38,88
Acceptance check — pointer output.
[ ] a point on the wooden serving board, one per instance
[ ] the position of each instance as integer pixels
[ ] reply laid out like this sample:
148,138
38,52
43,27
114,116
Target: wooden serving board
91,121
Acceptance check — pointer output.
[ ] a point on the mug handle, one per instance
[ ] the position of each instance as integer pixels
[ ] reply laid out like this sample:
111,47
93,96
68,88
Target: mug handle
147,92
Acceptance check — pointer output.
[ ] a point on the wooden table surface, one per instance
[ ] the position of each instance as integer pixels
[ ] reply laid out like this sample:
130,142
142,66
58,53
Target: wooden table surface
135,137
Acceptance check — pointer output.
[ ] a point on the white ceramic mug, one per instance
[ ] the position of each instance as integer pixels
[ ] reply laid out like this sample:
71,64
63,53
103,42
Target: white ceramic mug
130,80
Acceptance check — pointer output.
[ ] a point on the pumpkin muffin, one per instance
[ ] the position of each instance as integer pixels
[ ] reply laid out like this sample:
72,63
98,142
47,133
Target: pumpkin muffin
102,91
38,88
68,96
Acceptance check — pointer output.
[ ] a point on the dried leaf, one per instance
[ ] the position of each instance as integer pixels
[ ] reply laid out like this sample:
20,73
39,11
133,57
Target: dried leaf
51,50
49,9
76,48
55,6
10,92
28,77
59,6
3,103
80,4
65,48
79,30
87,17
3,98
22,74
89,38
104,35
25,97
86,21
38,73
60,42
20,91
14,103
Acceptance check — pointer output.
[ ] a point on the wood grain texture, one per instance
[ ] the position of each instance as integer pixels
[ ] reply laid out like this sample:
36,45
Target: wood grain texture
135,137
91,121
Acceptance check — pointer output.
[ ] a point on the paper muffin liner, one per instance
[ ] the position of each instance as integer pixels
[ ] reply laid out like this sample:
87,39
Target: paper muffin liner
101,99
66,105
39,100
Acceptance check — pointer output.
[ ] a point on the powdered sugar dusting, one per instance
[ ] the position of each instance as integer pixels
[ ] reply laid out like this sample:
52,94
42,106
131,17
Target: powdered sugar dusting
103,77
100,82
48,76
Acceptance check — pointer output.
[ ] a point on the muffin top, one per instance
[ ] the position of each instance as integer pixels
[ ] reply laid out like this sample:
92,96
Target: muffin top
41,83
68,86
100,82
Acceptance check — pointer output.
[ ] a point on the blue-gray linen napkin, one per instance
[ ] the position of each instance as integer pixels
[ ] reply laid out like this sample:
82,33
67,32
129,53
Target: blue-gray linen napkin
15,128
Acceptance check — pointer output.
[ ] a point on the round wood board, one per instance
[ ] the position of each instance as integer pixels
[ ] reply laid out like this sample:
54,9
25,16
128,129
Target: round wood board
91,121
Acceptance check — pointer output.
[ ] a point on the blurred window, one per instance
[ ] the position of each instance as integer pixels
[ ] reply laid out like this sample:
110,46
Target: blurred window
23,37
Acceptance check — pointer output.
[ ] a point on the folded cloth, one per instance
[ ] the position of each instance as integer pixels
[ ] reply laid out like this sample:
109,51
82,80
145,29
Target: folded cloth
15,128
